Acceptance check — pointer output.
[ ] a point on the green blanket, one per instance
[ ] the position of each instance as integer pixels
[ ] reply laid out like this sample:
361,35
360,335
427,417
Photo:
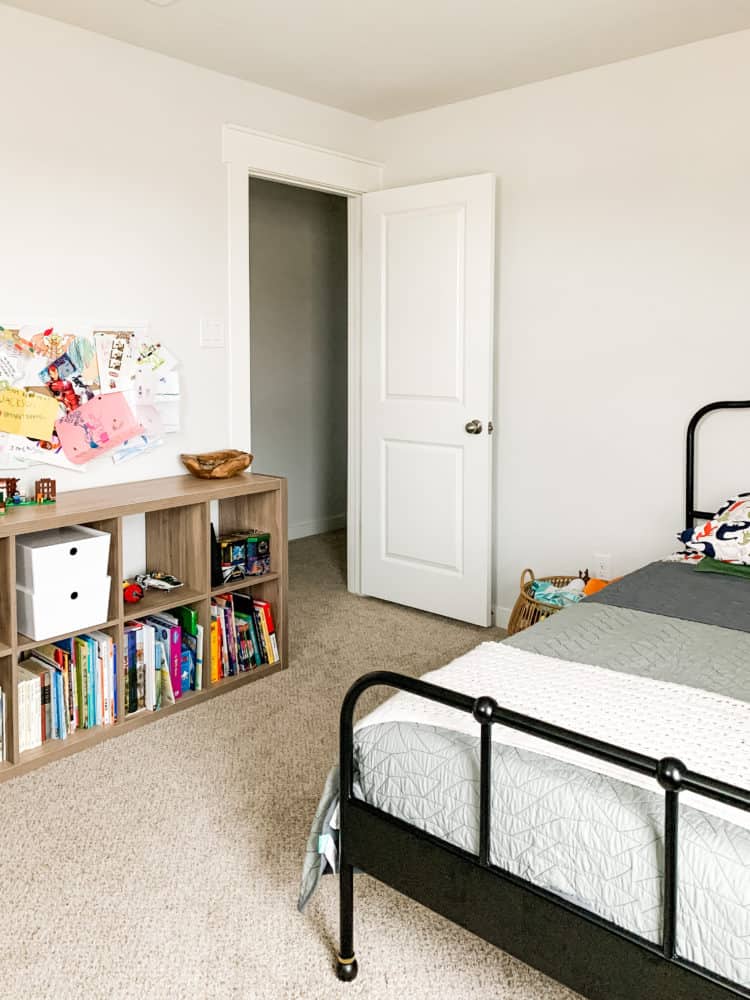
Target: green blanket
709,565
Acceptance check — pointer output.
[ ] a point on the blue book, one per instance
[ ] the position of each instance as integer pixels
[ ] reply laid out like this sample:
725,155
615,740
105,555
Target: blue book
90,699
59,705
131,691
187,669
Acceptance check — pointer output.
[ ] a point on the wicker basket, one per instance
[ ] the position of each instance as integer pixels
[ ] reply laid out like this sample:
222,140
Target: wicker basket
527,611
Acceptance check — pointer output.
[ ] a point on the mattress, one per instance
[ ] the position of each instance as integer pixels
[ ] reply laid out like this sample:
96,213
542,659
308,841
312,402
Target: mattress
588,837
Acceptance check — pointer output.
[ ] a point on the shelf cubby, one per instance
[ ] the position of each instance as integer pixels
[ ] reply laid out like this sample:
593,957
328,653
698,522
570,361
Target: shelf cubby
176,513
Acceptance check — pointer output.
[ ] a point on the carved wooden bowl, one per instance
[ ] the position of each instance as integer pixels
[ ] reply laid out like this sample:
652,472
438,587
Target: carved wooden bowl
217,464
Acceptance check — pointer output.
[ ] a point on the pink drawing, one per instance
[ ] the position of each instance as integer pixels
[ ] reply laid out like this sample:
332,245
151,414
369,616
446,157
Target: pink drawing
97,426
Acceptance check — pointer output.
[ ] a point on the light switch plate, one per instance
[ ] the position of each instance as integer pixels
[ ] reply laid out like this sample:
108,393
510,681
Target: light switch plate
212,333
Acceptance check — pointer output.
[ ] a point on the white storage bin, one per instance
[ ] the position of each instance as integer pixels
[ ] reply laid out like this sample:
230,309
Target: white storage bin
49,560
72,608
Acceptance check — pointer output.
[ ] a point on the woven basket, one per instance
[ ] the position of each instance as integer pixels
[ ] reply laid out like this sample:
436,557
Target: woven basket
527,611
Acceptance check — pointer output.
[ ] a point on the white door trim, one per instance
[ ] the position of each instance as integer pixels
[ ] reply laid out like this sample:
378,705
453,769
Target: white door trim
248,152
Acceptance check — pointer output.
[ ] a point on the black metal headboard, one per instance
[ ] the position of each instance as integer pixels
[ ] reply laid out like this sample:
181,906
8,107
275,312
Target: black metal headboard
690,512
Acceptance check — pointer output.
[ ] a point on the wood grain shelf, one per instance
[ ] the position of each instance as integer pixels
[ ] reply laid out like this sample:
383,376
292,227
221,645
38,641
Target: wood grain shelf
24,643
249,581
178,539
155,601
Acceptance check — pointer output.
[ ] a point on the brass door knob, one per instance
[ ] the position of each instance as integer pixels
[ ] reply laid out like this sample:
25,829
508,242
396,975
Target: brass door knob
474,427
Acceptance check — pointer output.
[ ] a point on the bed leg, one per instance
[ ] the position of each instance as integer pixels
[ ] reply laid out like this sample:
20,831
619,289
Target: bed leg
346,963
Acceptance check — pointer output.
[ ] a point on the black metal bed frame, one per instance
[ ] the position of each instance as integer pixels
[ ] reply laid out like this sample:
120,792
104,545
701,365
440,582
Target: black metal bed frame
580,949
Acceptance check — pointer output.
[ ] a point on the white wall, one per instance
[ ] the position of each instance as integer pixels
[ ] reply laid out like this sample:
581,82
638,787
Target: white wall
623,291
298,348
113,200
623,211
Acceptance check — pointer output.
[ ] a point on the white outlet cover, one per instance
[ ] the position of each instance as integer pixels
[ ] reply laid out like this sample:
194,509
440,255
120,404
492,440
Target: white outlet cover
212,333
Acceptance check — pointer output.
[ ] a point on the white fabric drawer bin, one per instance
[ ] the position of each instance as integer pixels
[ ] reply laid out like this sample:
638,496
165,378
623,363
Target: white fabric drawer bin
47,561
69,609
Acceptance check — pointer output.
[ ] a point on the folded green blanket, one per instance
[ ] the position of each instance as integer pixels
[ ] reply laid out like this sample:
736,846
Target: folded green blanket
709,565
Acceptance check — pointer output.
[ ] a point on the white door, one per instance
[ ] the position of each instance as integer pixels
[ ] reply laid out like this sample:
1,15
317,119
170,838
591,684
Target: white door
428,261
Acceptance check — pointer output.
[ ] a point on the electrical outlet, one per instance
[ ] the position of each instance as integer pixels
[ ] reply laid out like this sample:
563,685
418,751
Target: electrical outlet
602,565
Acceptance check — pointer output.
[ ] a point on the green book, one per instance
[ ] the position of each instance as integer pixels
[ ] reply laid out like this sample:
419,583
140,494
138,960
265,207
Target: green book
188,619
82,680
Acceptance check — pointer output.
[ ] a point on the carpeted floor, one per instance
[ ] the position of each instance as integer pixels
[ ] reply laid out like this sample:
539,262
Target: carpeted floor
165,864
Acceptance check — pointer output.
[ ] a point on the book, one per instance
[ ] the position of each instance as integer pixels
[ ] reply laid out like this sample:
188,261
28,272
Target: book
130,670
167,623
269,629
64,648
243,607
199,658
140,667
29,709
55,656
215,650
260,630
188,619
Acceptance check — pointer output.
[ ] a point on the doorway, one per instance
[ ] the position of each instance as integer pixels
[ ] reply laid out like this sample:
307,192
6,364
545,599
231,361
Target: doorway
298,348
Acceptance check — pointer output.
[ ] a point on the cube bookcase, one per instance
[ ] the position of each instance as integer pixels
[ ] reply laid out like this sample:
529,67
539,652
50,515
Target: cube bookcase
177,513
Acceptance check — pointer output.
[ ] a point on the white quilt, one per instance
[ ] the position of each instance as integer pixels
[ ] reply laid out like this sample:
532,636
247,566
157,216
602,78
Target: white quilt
709,733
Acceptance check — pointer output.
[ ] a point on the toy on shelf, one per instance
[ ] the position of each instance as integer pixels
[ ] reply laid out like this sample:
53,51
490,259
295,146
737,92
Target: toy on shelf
45,492
156,580
132,592
245,553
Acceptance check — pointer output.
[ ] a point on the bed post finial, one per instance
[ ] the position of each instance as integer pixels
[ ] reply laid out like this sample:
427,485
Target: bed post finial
484,708
669,773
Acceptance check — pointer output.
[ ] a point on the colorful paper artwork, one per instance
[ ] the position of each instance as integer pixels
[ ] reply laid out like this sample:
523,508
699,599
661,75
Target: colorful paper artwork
115,353
109,391
96,427
28,414
50,344
14,339
82,352
9,371
63,380
153,355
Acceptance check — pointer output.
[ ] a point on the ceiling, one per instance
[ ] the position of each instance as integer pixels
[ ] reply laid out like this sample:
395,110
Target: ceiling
396,56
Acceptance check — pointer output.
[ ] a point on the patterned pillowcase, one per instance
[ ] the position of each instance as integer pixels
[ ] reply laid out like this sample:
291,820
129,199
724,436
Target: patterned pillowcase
726,536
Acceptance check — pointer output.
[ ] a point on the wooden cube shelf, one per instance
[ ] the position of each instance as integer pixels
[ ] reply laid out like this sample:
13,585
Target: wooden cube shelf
178,540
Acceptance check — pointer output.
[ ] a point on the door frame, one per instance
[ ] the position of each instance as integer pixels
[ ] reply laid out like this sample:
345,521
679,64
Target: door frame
245,153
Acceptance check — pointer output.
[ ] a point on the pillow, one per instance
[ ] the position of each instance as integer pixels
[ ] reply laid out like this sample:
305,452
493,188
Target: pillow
726,536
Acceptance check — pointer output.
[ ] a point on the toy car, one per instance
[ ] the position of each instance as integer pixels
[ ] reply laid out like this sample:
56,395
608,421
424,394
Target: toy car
158,581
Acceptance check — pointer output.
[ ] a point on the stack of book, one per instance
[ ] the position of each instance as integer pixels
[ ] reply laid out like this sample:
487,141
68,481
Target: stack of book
162,659
243,635
67,685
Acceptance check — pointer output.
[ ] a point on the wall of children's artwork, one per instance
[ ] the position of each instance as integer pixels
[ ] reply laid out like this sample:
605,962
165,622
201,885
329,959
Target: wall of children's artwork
69,397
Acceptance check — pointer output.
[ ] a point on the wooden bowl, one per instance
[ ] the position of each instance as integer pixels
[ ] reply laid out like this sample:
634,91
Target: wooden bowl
217,464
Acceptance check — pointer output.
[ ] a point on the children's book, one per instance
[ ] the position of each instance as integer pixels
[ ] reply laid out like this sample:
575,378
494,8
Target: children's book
169,632
199,658
131,666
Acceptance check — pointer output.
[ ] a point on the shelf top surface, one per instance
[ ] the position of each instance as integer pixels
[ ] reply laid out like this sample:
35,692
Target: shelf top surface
79,506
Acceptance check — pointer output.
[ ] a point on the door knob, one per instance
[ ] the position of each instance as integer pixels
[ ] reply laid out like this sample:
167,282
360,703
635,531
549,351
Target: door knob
474,427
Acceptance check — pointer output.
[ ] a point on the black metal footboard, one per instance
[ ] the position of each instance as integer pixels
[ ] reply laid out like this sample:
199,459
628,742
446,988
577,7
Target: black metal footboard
569,943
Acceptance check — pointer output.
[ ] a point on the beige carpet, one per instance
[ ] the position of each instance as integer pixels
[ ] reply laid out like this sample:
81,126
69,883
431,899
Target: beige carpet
165,864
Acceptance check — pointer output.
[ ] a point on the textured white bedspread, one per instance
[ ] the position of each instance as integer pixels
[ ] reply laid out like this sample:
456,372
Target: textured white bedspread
709,732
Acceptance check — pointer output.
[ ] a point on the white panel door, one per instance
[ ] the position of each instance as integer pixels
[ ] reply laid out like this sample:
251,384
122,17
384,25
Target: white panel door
427,332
